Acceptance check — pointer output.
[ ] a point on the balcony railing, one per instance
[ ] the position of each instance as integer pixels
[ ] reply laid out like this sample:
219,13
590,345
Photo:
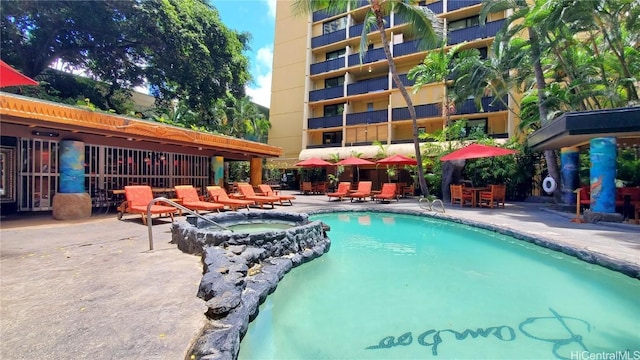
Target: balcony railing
436,7
422,111
490,29
370,56
469,106
405,48
366,86
324,122
459,4
324,94
356,30
326,66
320,15
367,117
329,38
405,81
327,145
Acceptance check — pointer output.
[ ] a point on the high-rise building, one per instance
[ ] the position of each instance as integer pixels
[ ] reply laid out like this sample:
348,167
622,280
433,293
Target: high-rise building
325,100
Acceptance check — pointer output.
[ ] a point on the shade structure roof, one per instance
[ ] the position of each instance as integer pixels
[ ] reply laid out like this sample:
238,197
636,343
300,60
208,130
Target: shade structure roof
11,77
397,159
313,162
475,151
355,161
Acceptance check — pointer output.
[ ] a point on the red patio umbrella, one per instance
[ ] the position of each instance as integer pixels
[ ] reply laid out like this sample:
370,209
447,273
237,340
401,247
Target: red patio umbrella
354,161
397,160
11,77
313,162
475,151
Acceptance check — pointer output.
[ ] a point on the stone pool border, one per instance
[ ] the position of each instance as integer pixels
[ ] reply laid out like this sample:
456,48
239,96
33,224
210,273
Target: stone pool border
626,268
240,269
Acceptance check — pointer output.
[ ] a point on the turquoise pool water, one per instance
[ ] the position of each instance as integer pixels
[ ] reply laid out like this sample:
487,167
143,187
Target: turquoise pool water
404,287
259,227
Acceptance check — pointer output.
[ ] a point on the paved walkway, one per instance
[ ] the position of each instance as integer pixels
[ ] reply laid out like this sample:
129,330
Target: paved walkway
91,289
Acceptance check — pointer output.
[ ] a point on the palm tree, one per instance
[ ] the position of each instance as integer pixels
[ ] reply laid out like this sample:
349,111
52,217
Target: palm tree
422,22
517,22
438,66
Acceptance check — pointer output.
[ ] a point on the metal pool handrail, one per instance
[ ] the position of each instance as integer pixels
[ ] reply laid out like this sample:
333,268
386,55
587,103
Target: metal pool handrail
174,204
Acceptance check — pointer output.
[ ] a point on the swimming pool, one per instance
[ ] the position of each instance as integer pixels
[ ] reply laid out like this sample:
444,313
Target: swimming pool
404,287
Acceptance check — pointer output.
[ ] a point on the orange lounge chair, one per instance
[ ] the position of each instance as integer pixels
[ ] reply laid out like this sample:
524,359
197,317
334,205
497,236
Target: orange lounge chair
342,191
138,198
493,197
190,199
362,193
266,190
247,191
387,193
219,195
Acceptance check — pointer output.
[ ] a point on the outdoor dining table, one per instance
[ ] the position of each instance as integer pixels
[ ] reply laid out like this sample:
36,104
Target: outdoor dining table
475,191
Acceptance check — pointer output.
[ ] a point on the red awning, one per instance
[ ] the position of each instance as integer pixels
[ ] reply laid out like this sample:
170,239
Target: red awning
354,161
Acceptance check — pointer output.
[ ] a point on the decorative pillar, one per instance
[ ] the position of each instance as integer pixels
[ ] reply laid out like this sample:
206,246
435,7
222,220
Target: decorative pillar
71,201
255,170
570,161
603,174
217,170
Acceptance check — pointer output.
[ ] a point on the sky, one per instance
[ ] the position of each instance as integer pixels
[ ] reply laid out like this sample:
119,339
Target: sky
256,17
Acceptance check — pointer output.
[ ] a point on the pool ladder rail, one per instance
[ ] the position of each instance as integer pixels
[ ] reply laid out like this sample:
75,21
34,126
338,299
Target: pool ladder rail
179,206
429,203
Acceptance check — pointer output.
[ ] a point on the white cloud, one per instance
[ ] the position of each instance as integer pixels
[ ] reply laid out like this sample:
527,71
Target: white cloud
272,8
260,89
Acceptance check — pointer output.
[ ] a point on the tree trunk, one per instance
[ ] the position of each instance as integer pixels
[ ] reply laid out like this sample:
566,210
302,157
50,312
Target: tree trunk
549,155
412,111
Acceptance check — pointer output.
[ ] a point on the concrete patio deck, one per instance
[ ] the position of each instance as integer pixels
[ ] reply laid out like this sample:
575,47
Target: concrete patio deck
92,289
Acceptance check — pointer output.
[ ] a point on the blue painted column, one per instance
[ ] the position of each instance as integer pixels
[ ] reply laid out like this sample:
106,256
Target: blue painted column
603,174
570,161
71,167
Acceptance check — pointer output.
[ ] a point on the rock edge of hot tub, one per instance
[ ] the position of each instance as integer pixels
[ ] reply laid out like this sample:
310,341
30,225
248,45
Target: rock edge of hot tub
241,269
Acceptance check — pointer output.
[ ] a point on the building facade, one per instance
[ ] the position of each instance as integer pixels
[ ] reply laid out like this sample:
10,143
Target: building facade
326,101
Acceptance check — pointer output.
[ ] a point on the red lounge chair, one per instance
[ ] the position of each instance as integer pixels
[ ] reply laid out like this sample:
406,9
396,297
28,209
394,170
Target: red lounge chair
190,199
247,191
138,198
342,191
387,193
268,191
219,195
362,193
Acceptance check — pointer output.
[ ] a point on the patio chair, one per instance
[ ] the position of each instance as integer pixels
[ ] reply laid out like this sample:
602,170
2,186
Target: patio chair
363,191
138,198
219,196
306,187
266,190
342,191
247,191
387,193
494,197
458,195
188,195
320,187
408,190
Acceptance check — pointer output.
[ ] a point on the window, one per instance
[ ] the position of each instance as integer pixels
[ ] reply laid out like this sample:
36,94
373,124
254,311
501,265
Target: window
333,110
335,54
334,25
464,23
333,82
475,126
369,106
332,137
